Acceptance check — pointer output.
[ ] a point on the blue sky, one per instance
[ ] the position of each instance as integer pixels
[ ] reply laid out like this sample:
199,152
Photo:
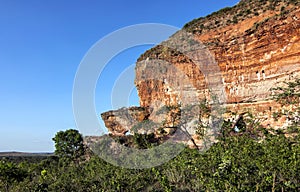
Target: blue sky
41,46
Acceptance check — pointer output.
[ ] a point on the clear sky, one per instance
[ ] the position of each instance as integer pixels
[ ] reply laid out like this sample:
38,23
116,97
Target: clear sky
43,42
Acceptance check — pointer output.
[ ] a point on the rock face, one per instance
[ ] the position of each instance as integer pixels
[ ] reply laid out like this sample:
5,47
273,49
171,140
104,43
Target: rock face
121,121
254,55
256,45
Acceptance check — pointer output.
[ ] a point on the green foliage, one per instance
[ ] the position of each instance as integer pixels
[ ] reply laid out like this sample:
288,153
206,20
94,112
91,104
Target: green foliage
204,112
237,163
243,10
69,145
288,94
10,173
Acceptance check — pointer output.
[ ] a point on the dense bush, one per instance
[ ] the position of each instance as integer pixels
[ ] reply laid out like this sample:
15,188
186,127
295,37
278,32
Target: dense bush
235,163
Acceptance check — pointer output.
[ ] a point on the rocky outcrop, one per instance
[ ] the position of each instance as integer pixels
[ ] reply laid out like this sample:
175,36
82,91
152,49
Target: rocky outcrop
255,50
119,122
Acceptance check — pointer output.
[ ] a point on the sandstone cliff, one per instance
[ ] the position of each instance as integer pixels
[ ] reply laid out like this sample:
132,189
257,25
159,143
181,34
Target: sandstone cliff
256,45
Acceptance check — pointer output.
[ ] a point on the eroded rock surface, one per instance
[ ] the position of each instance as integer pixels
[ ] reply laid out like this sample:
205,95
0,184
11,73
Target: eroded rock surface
254,51
119,122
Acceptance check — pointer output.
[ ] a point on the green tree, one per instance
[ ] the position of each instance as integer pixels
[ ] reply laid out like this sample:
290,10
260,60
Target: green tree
69,144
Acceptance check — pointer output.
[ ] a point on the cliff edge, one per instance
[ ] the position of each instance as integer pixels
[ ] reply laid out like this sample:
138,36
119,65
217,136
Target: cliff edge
256,45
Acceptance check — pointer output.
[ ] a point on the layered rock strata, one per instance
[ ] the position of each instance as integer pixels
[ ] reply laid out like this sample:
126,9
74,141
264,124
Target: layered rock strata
253,54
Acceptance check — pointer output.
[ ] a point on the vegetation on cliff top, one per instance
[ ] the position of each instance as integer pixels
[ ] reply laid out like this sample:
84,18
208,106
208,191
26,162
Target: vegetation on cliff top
245,9
232,15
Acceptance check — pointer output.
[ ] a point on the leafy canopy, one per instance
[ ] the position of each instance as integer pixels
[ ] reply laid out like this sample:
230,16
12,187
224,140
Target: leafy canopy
69,144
